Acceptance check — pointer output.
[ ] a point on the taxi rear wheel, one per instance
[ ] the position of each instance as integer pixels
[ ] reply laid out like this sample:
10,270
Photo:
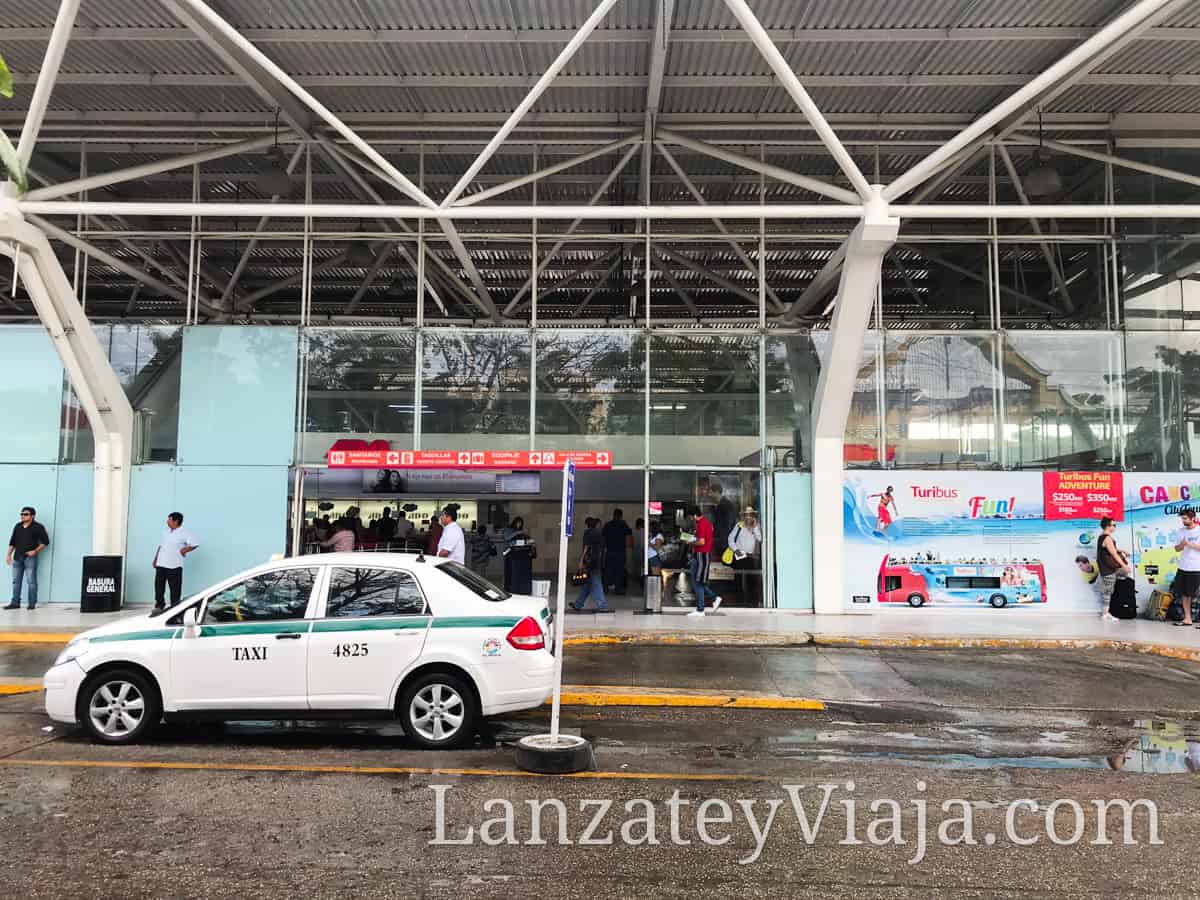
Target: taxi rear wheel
118,706
438,711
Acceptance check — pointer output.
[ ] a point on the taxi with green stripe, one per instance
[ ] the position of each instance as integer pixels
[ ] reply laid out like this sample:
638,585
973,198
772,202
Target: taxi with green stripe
341,635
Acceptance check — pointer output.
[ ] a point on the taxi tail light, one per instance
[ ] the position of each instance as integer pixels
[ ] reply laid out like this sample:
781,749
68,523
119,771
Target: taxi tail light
527,635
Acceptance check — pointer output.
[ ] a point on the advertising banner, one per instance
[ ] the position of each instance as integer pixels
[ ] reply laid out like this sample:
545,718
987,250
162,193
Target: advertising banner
468,459
964,540
1001,540
1083,495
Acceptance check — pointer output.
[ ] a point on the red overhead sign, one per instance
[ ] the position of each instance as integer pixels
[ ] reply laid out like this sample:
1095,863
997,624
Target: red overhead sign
468,459
1083,495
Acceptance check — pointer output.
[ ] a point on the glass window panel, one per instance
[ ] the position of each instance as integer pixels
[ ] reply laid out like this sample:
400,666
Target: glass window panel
862,439
147,360
1158,289
591,392
941,399
793,367
1061,400
271,596
358,593
1162,396
475,390
704,399
360,385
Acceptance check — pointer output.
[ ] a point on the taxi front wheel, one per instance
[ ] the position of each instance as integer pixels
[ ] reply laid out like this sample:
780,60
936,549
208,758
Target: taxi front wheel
438,711
118,706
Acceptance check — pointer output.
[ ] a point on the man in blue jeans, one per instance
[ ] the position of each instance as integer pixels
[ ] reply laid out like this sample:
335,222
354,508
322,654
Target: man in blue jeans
28,539
592,563
701,560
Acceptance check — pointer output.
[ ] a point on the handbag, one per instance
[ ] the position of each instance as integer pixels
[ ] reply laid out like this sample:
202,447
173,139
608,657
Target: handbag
727,556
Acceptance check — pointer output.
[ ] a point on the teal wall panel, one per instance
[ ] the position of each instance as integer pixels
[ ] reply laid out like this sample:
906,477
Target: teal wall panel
238,395
36,486
793,540
238,515
31,395
151,497
71,540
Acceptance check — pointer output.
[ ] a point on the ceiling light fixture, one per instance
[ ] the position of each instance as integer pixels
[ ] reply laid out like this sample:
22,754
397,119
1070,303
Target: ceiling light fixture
273,178
1043,179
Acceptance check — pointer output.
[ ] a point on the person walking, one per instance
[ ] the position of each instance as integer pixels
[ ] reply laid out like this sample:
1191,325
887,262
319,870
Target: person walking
386,526
616,536
701,561
29,539
1187,582
590,564
744,541
175,544
452,544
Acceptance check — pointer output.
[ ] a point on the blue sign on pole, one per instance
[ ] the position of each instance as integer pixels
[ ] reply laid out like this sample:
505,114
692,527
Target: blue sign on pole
570,476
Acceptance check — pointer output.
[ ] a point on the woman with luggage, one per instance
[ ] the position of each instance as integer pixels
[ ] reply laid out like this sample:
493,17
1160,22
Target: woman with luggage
1111,562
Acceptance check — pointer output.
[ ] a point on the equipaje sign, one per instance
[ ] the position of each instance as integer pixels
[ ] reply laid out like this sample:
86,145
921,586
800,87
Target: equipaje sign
469,459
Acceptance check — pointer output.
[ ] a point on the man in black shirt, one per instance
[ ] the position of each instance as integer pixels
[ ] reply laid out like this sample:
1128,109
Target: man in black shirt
28,539
616,535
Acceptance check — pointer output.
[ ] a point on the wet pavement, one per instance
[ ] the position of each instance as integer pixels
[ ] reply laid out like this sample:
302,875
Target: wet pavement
318,809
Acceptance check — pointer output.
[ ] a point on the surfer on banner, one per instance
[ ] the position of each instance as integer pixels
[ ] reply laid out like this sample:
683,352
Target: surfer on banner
887,506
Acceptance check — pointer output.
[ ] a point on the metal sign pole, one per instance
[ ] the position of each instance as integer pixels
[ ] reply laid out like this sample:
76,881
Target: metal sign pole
560,612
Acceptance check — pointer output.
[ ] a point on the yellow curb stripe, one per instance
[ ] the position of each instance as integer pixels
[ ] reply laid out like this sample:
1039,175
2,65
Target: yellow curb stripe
19,689
369,770
619,696
35,637
971,643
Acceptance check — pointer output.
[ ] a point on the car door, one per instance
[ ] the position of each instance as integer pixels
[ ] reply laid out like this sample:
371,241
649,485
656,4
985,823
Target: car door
251,651
370,629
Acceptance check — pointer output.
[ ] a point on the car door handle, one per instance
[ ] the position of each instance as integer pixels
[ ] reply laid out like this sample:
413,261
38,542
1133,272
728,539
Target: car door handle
409,632
289,636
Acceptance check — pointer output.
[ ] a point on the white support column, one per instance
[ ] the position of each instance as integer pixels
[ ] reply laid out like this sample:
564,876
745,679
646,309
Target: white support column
92,377
46,78
868,243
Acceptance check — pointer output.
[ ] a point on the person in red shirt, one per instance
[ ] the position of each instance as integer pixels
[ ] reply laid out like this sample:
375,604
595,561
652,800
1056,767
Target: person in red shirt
701,559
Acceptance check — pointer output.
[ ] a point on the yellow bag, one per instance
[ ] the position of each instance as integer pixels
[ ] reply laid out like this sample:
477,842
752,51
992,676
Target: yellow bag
727,556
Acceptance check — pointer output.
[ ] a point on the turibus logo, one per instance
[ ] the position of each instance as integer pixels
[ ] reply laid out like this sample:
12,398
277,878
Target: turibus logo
986,508
934,493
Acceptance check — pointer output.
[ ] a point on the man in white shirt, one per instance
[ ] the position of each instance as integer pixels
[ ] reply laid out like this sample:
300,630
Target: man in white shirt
1187,582
453,543
176,543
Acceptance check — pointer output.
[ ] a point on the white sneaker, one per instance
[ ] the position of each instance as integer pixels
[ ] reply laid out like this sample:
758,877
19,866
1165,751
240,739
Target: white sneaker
695,614
716,604
1108,617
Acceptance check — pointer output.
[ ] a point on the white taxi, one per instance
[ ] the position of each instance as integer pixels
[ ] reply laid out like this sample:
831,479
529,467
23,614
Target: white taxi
340,635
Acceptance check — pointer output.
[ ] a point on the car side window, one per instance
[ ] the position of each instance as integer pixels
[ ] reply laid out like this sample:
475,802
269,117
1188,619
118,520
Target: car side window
271,596
356,593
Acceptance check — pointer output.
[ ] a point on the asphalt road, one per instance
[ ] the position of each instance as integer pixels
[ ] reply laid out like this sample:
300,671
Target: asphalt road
306,809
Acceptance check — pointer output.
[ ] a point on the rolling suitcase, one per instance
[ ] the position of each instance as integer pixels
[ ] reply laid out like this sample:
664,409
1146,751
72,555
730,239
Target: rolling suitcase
1123,604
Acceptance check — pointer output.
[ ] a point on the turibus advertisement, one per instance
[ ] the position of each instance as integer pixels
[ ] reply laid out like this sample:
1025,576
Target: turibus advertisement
936,540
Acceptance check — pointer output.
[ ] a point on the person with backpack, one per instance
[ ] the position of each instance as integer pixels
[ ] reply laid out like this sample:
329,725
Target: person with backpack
1111,562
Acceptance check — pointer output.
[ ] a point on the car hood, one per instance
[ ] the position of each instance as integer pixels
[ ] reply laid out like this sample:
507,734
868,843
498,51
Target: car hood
141,621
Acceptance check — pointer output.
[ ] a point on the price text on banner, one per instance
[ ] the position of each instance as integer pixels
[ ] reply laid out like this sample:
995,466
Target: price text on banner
1083,495
468,459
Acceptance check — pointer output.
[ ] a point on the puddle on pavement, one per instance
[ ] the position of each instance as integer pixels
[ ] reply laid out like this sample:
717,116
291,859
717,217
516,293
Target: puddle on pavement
1149,747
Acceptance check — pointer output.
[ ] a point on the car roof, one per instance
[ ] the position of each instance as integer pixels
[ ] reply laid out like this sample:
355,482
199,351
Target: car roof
364,559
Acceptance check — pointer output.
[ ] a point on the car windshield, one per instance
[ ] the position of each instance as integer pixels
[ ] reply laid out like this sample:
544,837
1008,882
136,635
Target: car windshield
473,582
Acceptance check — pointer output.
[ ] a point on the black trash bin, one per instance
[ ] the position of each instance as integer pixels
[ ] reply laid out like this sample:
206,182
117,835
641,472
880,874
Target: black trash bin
101,588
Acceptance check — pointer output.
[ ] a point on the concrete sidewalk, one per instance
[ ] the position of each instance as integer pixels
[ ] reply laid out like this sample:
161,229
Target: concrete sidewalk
1018,628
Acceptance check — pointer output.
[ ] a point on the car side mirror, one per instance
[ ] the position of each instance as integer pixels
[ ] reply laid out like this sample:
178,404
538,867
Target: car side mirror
191,624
